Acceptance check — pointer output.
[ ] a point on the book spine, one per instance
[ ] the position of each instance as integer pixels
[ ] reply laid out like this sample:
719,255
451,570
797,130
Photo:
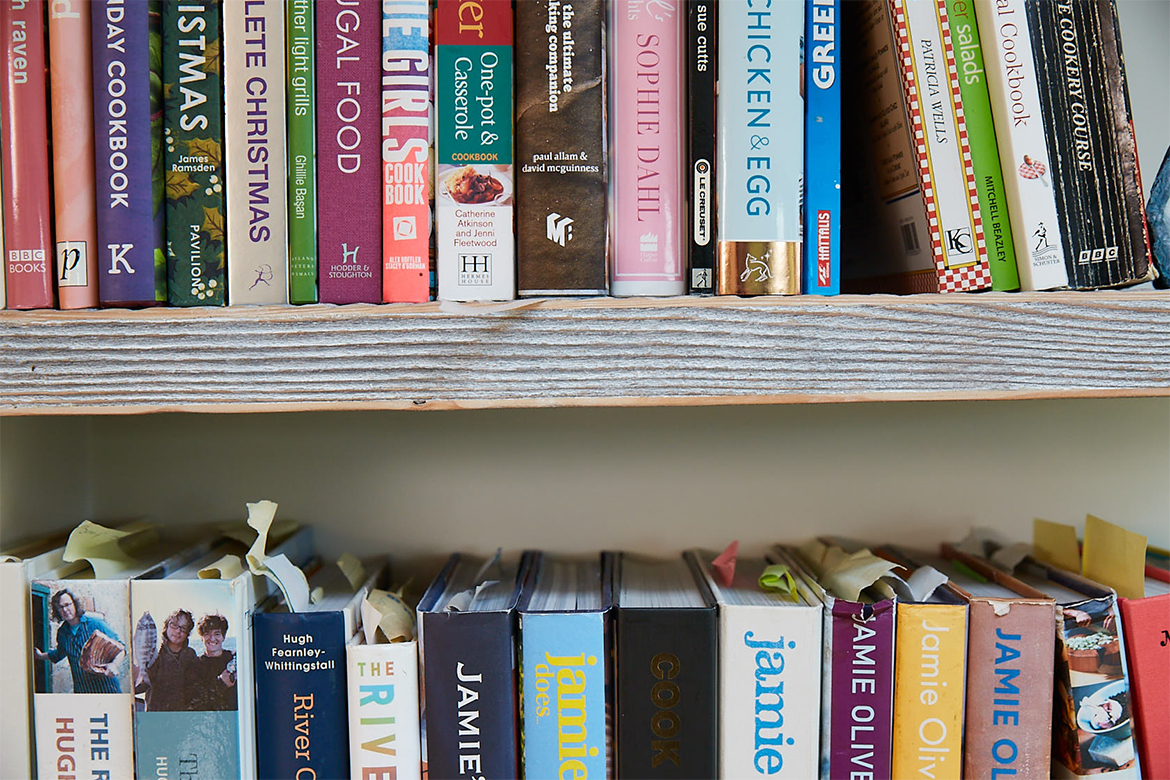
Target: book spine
861,693
127,74
761,149
563,688
16,745
74,188
929,673
473,147
1085,679
27,209
702,62
1092,186
822,149
469,664
190,723
930,81
383,711
301,717
769,690
666,693
301,71
997,231
193,153
1147,637
1023,144
257,196
647,215
349,224
406,178
560,148
1009,690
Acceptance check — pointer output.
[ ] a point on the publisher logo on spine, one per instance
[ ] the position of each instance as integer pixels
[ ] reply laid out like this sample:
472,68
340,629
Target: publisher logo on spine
71,264
475,270
824,248
558,229
702,203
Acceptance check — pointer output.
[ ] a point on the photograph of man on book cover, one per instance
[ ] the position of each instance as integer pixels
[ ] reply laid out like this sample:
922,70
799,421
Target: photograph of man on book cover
84,632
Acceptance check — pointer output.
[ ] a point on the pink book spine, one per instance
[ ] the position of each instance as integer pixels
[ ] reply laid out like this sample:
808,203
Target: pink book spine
74,191
24,124
647,215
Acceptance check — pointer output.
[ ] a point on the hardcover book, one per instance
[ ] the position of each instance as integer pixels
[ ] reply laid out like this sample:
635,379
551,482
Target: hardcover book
857,679
701,163
301,717
1009,665
349,161
769,671
921,34
993,211
1147,649
127,71
254,116
193,154
822,148
647,215
565,667
1084,102
667,661
301,105
28,264
761,149
467,634
473,146
561,151
74,187
406,177
192,668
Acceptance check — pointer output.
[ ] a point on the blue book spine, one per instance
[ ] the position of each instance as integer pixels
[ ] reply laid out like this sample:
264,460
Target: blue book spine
822,148
468,660
301,714
563,688
127,76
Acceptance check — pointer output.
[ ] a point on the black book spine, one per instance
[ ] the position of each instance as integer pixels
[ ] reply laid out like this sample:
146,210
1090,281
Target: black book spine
700,176
1092,182
666,693
468,668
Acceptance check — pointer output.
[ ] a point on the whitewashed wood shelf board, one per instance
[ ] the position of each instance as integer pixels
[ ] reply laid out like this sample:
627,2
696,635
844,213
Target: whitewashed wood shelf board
595,352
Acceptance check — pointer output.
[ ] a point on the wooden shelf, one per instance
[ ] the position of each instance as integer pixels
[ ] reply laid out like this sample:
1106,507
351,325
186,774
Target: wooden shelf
596,352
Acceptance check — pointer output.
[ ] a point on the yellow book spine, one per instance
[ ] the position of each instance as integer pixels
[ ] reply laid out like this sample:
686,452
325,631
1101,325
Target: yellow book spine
929,675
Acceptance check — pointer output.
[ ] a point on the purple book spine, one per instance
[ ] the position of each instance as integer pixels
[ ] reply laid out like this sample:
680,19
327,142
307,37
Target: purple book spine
862,695
129,204
349,154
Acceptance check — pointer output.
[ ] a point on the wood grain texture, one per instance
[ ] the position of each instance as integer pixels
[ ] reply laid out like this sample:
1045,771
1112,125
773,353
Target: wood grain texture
600,352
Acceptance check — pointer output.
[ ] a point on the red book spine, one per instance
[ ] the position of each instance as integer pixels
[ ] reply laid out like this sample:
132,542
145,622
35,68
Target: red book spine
1146,626
24,129
74,191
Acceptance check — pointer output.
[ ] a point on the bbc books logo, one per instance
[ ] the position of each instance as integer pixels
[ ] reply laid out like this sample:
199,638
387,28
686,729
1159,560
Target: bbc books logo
558,229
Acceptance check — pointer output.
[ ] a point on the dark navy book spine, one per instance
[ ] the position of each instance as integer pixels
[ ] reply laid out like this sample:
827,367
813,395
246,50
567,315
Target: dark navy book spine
700,176
301,715
468,665
127,76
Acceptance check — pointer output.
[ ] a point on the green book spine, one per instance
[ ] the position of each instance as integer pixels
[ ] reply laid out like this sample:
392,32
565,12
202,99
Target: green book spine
993,205
302,153
193,153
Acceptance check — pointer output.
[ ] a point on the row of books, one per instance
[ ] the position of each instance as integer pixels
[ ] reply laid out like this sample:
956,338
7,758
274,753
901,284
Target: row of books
562,149
827,660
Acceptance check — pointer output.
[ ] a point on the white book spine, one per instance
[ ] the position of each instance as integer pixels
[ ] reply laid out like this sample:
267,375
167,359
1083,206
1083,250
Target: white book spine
934,105
384,735
1023,146
769,691
257,202
84,735
16,661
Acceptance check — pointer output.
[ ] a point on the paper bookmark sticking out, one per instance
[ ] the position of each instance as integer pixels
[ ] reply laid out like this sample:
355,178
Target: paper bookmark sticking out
1056,544
353,570
226,568
845,574
1115,557
103,548
278,568
919,587
724,564
386,618
777,577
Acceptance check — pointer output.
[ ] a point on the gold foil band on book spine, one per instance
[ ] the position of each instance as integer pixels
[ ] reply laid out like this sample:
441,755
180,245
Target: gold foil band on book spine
758,268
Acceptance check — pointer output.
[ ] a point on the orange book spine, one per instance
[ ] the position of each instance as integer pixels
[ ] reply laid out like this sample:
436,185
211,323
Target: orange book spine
74,190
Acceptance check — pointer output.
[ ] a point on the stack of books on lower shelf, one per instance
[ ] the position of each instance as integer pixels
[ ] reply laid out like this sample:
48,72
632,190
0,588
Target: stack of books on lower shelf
236,651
